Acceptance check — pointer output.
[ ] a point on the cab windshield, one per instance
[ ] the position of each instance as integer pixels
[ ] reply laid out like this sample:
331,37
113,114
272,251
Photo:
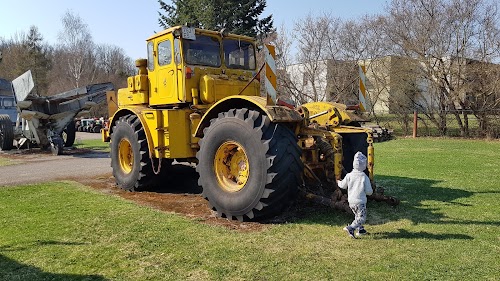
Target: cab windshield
239,54
205,50
7,102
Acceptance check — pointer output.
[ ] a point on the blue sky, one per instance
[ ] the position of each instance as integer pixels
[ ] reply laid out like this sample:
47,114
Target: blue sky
127,23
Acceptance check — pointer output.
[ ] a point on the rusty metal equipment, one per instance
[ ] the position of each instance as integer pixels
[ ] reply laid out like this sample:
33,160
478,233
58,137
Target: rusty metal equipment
47,121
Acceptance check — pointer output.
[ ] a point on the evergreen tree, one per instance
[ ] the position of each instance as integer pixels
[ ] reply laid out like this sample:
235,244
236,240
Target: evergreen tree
37,59
237,16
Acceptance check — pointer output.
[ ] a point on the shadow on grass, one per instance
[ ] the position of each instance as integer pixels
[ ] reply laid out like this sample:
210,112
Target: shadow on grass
404,234
13,270
412,192
52,242
8,248
183,179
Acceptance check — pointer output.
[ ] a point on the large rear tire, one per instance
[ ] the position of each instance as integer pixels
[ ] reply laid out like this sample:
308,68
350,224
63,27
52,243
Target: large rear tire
249,168
130,154
6,132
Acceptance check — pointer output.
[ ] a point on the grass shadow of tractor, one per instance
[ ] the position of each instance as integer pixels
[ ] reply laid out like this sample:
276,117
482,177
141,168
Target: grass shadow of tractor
413,194
183,179
13,270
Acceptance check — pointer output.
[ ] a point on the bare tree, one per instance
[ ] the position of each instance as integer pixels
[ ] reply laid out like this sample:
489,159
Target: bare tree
281,40
313,37
330,51
443,36
75,54
112,61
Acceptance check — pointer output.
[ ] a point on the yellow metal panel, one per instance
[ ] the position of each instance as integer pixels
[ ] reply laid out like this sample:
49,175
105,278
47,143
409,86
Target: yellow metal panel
195,119
131,83
182,87
153,119
207,89
170,133
333,117
178,135
141,83
112,103
217,87
126,97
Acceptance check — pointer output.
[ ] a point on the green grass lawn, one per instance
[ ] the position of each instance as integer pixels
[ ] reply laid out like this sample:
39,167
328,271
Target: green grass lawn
92,144
446,228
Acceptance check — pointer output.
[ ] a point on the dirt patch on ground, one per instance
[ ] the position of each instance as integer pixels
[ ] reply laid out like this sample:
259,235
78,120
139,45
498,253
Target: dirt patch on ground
181,196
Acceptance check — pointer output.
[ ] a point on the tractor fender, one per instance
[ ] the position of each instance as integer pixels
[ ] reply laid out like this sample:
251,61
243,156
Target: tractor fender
137,111
277,114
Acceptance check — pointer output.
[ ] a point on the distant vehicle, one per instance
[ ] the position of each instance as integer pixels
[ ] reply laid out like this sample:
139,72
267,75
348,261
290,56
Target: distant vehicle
7,102
85,124
89,125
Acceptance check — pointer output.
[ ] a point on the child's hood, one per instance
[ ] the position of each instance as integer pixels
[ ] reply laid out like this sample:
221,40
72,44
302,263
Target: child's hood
359,163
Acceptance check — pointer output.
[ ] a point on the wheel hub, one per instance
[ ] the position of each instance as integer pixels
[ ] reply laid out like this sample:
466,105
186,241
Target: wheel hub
231,166
125,156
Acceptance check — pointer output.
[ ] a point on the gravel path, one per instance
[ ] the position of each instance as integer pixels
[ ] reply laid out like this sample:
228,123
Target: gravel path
36,167
42,168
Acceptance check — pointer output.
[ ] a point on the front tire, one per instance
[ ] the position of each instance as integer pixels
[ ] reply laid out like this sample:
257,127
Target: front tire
69,134
248,167
6,132
56,146
130,154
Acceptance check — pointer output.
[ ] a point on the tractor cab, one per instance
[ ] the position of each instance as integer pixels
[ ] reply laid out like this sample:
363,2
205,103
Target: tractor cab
194,66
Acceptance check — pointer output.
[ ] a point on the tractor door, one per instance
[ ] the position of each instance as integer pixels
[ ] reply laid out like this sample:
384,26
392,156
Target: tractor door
165,91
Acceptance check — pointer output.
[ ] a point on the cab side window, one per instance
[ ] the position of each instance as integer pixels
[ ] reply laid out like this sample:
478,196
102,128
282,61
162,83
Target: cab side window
151,65
164,53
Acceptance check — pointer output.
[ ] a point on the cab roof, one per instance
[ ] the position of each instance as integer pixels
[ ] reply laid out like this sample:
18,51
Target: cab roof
200,31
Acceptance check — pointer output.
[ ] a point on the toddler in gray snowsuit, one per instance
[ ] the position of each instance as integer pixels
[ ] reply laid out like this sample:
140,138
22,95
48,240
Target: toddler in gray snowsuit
358,186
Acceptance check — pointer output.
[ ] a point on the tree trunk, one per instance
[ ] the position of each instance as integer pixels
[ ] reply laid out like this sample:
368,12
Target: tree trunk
460,123
466,124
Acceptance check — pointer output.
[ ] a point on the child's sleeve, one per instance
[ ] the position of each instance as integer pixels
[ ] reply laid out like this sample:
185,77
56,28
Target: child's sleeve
368,186
343,183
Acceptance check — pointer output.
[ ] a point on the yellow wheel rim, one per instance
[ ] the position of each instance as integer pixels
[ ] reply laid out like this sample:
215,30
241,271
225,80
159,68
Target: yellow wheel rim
231,166
125,155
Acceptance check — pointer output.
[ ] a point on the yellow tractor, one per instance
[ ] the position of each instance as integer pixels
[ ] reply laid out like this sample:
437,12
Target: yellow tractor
196,99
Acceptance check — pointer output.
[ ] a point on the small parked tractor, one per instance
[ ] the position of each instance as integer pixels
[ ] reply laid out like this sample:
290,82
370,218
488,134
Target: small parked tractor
197,98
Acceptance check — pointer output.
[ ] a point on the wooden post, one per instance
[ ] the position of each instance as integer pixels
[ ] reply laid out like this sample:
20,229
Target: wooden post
414,124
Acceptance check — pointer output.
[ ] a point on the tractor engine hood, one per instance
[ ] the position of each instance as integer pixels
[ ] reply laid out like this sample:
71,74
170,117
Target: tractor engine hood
214,87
